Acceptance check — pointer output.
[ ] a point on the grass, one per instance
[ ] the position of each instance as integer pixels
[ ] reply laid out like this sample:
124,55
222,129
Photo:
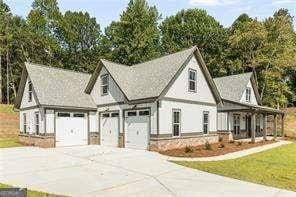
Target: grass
290,122
7,109
32,193
8,143
276,167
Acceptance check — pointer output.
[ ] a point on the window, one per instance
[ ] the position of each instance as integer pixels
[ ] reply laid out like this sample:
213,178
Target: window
115,114
106,115
205,122
37,123
78,115
248,94
63,114
258,124
132,113
236,124
24,123
144,113
104,84
176,122
192,80
30,88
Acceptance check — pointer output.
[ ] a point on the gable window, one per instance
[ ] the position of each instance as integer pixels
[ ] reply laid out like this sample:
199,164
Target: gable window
104,84
236,124
248,94
176,122
24,123
206,122
192,80
37,123
30,94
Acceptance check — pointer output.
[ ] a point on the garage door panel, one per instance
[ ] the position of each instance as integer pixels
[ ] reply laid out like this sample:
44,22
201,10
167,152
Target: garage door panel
109,128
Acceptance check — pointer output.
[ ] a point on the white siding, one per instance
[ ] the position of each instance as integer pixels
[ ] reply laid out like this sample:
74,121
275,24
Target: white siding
222,121
191,117
180,87
25,99
49,121
253,97
30,114
114,93
153,107
93,122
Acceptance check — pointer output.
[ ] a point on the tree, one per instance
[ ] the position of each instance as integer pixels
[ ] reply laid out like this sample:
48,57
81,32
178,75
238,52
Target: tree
135,37
80,38
195,27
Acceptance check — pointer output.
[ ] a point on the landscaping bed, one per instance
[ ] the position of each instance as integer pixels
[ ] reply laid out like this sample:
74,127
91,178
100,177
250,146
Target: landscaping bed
209,150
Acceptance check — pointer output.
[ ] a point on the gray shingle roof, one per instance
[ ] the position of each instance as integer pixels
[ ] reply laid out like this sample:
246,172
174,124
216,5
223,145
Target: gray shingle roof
232,87
148,79
59,87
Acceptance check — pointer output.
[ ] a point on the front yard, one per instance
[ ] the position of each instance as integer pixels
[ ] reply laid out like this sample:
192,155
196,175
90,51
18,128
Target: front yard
276,167
8,143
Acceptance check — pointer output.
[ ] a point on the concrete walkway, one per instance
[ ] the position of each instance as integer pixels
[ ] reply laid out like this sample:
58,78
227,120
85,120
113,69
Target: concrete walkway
233,155
104,171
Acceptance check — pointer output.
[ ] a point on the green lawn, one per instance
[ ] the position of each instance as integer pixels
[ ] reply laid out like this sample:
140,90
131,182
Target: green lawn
8,143
276,167
32,193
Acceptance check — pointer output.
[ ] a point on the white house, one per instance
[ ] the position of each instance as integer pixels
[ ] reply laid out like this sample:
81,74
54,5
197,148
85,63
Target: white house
169,102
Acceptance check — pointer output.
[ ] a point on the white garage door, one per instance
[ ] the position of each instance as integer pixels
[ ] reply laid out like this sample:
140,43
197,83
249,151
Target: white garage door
109,128
71,129
137,128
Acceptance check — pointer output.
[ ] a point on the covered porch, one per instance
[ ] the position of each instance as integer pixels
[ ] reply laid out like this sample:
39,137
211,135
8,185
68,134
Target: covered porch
245,121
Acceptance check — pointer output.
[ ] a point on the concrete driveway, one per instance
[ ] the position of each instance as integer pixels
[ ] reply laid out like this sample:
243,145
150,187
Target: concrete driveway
106,171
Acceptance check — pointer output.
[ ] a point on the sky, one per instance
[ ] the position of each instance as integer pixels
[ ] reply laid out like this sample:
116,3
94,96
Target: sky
225,11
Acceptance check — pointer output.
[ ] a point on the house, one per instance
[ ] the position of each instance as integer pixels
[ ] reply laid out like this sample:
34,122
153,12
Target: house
242,114
166,103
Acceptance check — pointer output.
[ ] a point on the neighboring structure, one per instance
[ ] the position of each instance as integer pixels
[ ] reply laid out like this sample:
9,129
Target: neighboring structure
242,114
165,103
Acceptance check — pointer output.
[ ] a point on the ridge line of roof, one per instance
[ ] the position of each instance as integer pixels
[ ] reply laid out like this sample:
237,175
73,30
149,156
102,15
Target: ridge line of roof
56,68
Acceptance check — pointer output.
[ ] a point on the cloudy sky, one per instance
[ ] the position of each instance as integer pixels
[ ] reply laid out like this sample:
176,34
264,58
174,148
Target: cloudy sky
225,11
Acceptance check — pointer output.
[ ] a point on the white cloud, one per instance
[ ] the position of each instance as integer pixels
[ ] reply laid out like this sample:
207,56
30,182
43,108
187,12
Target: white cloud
276,2
212,2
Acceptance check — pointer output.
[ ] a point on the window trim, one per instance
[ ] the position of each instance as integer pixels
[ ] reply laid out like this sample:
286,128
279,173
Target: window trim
191,80
103,85
25,123
236,125
203,122
35,122
248,96
30,91
173,123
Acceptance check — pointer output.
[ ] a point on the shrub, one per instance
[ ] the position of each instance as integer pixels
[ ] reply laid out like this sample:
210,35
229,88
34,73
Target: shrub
239,143
231,141
220,138
208,145
221,145
188,149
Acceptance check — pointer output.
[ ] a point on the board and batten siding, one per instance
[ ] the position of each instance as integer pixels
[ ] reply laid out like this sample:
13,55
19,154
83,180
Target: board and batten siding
179,88
93,122
222,121
114,93
253,97
120,108
25,99
30,116
49,114
191,117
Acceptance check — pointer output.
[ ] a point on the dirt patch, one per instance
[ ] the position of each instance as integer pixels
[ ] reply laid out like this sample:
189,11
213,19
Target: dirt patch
213,150
9,125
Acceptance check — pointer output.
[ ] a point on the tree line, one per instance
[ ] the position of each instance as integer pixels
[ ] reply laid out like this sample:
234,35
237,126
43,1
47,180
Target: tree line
74,40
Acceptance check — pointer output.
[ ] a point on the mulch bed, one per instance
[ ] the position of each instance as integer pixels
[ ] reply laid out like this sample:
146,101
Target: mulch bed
216,149
292,139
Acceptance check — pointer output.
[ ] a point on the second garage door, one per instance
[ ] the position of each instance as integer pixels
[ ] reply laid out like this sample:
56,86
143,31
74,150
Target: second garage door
137,128
109,128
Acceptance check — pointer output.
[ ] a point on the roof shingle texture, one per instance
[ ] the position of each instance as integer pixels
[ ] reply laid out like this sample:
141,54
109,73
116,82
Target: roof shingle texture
59,87
148,79
232,87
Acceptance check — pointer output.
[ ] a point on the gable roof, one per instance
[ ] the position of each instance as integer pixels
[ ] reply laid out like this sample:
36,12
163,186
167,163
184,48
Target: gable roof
232,87
151,79
56,87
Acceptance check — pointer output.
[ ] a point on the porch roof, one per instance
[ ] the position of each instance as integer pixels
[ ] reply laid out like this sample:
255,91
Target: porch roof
232,106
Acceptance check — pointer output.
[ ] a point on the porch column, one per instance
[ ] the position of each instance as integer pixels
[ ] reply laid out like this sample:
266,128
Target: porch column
264,126
275,126
253,127
283,118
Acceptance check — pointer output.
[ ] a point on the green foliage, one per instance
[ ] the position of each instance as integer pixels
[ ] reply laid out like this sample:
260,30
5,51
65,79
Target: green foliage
135,37
188,149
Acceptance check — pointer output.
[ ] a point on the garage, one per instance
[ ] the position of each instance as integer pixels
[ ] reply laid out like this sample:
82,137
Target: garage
109,127
137,128
71,128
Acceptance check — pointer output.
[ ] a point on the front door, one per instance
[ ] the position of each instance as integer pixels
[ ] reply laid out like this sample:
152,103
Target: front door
248,125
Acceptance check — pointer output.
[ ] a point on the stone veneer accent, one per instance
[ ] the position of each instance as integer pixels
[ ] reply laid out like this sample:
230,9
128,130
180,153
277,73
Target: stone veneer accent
121,140
158,144
94,138
46,141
